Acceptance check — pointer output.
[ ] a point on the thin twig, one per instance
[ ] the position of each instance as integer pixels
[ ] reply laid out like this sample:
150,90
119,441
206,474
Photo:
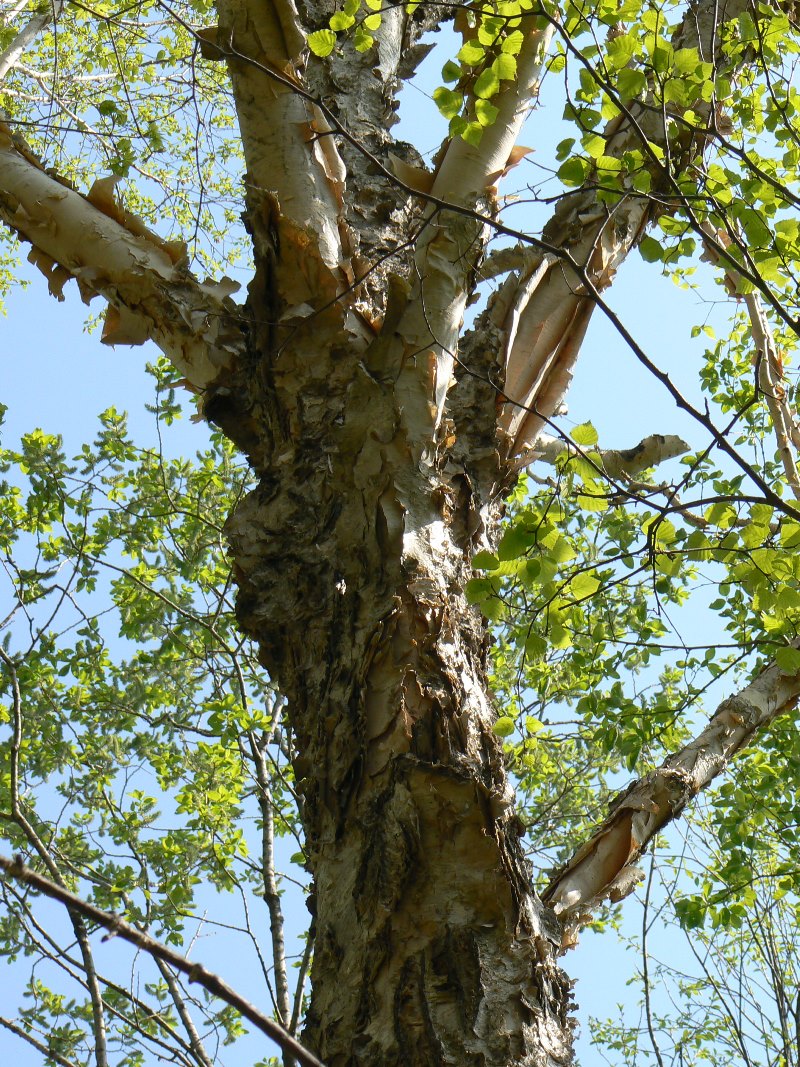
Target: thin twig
645,971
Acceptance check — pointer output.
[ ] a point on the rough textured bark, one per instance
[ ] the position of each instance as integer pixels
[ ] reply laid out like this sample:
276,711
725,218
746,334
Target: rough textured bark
352,556
379,476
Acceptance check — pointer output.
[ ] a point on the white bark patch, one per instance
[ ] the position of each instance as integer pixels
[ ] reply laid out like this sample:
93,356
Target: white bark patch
112,255
290,154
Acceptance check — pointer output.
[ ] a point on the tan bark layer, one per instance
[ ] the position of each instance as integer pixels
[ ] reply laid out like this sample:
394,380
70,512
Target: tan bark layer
605,866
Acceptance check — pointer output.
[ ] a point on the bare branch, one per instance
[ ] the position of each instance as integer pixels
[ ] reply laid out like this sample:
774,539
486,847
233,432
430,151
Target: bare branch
188,1023
767,361
604,867
195,972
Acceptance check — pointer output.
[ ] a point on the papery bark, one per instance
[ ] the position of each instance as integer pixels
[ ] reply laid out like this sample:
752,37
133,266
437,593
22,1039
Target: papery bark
604,867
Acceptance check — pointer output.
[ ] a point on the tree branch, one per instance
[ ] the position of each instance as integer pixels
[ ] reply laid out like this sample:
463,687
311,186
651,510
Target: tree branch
195,972
650,452
40,1046
604,867
11,56
109,252
545,310
767,361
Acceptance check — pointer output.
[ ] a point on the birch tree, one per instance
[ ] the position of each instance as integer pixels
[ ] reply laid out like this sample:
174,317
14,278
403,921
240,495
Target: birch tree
400,353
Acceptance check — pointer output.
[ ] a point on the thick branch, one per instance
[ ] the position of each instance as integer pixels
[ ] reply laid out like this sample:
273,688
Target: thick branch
195,972
544,311
604,867
295,174
110,253
650,452
448,251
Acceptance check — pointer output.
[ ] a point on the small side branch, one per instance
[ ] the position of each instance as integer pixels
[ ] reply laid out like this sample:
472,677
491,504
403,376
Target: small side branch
26,36
650,452
185,1016
195,972
605,866
48,1053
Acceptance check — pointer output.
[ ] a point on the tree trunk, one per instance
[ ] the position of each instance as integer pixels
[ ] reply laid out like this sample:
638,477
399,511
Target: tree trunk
352,556
431,947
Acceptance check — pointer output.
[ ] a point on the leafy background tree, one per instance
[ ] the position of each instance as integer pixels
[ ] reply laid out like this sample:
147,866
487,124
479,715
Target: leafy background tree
150,761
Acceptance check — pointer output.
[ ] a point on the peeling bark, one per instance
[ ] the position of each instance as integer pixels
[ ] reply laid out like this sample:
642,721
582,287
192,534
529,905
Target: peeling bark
605,866
377,483
430,948
150,293
617,462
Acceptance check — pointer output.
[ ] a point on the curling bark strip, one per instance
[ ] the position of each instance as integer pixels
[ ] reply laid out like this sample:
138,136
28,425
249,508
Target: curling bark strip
544,311
605,866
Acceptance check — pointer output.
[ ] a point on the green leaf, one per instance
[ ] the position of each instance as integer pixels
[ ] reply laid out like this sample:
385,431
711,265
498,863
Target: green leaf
485,112
595,145
451,71
487,84
340,21
650,250
584,585
585,435
788,660
448,101
471,54
504,726
473,133
574,171
505,67
512,42
631,83
322,42
362,41
485,561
